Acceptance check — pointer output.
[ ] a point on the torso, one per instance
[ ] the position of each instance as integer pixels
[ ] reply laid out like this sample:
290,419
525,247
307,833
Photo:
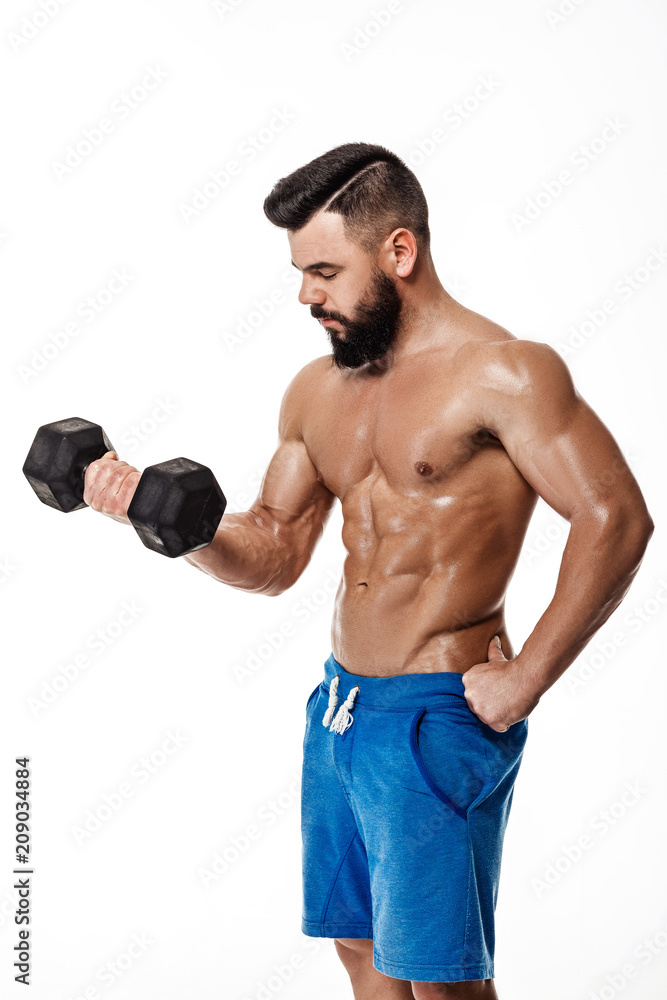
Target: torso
434,510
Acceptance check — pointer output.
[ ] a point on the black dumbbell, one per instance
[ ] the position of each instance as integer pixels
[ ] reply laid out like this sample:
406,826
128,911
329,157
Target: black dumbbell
176,507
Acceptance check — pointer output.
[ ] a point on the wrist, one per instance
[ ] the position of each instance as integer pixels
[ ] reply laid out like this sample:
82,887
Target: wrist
529,681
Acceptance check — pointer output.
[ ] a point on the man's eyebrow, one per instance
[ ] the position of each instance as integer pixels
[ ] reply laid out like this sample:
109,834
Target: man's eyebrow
316,267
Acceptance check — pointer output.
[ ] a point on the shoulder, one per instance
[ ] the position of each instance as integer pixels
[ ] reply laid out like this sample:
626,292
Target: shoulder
307,381
313,372
518,367
490,353
519,387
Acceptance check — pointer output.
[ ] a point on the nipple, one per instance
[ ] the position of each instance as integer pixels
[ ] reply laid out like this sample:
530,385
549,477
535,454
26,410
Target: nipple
423,468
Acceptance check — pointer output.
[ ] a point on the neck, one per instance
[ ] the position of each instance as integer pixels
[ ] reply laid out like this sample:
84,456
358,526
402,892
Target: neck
426,318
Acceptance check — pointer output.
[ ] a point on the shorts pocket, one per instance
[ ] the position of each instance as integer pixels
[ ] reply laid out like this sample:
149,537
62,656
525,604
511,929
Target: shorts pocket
449,754
311,696
309,714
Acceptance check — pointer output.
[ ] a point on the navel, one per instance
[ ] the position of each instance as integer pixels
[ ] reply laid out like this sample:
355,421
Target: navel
423,468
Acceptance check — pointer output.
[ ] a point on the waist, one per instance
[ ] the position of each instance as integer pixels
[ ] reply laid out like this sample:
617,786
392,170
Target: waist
405,690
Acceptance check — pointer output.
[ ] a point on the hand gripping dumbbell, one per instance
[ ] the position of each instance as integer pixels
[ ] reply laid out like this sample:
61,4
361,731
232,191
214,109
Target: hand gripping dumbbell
175,509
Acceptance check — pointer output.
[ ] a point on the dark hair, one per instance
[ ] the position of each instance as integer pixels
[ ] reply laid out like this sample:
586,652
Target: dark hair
371,187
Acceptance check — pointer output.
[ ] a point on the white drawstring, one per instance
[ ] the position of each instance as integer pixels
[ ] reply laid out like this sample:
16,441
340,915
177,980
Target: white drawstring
333,701
344,717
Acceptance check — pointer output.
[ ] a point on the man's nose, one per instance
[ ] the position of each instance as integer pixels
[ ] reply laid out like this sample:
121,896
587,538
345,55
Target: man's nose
311,295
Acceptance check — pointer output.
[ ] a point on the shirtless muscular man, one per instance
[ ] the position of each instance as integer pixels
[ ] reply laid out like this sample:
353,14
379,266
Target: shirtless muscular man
437,430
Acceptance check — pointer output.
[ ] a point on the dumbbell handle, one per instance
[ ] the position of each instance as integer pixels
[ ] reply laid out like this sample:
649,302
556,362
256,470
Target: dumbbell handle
176,506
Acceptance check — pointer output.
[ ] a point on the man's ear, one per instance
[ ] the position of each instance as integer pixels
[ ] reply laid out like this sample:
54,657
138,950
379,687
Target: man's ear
401,252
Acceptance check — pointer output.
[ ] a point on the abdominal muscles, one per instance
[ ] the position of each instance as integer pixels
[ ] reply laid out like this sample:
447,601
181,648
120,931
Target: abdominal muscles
425,575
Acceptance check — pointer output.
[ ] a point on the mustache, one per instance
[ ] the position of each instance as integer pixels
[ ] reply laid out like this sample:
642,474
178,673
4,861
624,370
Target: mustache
320,314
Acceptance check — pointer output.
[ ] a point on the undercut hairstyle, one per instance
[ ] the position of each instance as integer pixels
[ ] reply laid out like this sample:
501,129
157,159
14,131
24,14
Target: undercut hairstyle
369,186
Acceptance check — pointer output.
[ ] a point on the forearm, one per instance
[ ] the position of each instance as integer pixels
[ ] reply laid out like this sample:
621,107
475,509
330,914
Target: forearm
246,553
598,566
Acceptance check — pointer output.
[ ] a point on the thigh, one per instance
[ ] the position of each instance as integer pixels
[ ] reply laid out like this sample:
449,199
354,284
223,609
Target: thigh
360,946
421,778
336,884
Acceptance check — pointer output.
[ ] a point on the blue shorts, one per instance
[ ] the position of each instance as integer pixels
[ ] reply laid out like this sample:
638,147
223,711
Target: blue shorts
404,802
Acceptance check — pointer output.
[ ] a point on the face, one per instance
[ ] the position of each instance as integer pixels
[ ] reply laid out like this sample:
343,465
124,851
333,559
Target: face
359,303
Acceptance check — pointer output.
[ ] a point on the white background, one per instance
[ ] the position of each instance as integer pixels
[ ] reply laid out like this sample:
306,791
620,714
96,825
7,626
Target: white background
158,368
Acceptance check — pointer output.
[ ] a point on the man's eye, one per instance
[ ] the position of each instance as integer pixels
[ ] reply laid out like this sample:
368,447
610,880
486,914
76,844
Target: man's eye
328,277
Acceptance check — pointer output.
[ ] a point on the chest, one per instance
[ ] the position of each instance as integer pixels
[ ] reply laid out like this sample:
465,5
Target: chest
418,429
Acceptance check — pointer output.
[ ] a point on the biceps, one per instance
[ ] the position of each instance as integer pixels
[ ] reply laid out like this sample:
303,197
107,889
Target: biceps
291,497
573,463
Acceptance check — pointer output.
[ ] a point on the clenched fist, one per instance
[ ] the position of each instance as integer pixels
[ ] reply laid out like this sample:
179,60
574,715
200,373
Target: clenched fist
109,486
497,691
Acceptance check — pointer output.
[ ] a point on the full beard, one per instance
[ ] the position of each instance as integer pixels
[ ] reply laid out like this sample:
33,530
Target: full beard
369,337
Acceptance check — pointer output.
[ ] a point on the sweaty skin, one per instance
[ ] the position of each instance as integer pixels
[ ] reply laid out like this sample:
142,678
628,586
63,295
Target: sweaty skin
434,511
437,453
